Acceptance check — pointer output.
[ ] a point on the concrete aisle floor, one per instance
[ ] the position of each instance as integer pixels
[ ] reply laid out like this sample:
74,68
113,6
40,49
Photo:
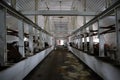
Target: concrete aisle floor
62,65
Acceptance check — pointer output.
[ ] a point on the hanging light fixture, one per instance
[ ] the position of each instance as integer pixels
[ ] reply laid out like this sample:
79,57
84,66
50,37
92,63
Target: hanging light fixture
60,1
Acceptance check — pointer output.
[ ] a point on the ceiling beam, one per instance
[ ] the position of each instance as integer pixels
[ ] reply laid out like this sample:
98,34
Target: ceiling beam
101,15
58,13
20,16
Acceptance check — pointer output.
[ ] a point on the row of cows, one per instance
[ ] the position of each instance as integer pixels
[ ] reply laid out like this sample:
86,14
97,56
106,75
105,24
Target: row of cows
108,52
13,54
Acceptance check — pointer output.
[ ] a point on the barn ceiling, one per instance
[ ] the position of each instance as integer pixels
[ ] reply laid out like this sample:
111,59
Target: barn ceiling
59,26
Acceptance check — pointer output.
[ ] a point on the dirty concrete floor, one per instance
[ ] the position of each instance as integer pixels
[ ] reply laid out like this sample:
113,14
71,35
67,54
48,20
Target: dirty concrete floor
62,65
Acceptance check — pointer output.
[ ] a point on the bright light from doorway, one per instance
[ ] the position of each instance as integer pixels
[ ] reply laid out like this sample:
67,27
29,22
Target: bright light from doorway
61,42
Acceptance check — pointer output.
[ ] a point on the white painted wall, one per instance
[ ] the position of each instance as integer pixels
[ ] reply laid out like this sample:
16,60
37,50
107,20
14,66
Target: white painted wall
19,70
103,69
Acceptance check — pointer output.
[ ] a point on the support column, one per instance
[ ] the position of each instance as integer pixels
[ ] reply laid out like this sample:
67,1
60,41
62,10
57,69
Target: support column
47,38
41,39
81,42
21,37
36,34
84,22
107,3
85,40
117,11
13,3
3,45
36,20
45,23
101,41
31,39
91,49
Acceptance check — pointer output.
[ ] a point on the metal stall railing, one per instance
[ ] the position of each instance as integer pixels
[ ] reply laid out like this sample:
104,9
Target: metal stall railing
33,45
100,49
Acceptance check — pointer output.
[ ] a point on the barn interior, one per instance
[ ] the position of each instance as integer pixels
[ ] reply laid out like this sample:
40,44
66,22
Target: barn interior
39,37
